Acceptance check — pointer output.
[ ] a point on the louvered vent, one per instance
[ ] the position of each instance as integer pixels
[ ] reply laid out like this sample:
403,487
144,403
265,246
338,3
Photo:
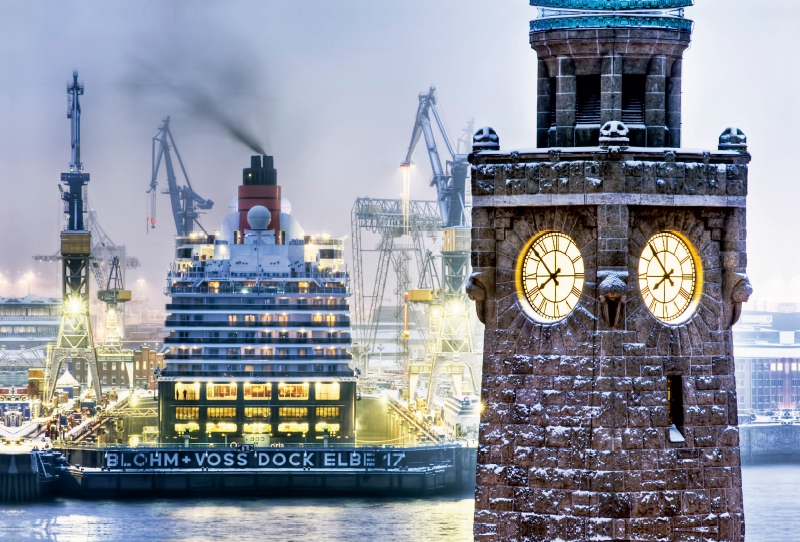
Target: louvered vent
633,92
588,99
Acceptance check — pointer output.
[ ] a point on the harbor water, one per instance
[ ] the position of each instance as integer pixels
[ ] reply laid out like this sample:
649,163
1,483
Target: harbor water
771,493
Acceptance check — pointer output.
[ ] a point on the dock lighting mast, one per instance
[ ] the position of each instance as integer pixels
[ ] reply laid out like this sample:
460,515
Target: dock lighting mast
185,201
75,334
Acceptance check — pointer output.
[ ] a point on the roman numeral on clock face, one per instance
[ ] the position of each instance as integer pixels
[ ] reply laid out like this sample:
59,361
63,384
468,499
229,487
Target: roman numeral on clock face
670,274
550,275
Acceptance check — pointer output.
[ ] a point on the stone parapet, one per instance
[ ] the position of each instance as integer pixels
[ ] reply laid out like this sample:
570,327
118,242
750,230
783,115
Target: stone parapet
593,176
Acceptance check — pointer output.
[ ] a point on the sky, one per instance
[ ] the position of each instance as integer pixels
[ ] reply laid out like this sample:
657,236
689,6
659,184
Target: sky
330,89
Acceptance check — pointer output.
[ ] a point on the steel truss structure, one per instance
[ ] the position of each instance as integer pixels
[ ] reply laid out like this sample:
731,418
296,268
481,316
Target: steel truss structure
392,219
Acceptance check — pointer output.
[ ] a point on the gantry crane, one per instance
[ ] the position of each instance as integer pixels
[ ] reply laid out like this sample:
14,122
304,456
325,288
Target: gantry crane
185,201
391,219
112,292
449,347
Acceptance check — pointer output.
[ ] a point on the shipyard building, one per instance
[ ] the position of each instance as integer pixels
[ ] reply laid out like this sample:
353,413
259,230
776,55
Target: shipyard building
258,329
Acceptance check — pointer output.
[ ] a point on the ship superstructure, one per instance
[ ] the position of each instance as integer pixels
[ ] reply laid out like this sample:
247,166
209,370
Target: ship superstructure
259,330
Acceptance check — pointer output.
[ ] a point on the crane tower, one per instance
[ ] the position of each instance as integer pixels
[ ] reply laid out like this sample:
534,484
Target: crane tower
184,200
75,333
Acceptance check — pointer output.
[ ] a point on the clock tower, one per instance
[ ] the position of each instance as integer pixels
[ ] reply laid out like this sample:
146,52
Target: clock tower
609,266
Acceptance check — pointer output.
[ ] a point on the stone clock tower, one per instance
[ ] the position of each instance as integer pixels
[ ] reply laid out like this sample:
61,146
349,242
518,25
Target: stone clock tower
609,268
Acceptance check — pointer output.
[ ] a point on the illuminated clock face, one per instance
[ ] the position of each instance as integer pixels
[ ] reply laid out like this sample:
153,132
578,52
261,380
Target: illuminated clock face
670,277
550,276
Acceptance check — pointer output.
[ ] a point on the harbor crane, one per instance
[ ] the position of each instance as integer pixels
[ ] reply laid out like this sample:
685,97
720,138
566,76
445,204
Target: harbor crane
449,347
186,203
75,333
450,181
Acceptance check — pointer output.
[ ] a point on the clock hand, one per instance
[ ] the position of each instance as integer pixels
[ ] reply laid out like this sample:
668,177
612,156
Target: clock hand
657,258
665,277
553,277
536,252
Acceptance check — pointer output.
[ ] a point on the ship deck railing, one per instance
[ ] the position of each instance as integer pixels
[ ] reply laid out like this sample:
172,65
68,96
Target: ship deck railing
254,306
234,444
259,357
256,340
243,290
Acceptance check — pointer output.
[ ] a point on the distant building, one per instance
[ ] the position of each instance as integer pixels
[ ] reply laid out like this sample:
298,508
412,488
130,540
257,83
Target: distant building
28,322
145,364
25,323
767,349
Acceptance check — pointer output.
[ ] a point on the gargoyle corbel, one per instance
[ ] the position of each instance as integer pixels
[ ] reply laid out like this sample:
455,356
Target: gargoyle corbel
480,289
613,295
736,289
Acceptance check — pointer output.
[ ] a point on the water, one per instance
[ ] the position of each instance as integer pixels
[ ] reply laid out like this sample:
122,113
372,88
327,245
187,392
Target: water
771,494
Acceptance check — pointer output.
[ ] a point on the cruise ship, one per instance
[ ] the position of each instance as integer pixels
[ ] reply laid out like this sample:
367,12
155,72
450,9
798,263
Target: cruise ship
258,342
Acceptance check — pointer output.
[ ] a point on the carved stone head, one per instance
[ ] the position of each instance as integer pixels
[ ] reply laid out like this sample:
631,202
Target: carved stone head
614,133
485,139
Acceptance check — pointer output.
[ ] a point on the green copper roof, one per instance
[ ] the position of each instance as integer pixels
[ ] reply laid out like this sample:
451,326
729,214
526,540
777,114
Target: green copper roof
609,5
609,21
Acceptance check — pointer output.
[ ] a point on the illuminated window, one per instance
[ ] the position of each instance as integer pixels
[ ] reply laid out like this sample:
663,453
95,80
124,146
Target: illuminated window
293,427
232,318
187,392
293,391
221,427
187,413
221,412
327,392
221,391
256,428
258,391
249,318
292,412
266,318
322,426
328,412
283,319
330,319
256,412
316,318
187,427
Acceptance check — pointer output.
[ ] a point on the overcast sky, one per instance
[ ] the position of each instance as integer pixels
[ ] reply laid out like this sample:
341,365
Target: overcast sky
330,88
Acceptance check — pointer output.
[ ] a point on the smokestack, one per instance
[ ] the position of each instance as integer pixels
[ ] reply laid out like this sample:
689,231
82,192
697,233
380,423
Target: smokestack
260,187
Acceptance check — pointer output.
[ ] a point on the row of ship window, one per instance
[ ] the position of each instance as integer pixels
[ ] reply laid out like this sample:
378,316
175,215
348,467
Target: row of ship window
256,427
331,301
278,368
224,391
329,319
260,335
266,351
217,413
